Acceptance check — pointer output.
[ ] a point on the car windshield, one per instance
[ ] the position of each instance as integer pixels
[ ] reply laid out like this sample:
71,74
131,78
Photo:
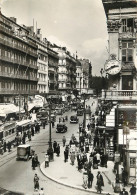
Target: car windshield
73,117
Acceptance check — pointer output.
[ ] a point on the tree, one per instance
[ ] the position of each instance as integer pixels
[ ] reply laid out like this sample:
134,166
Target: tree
98,83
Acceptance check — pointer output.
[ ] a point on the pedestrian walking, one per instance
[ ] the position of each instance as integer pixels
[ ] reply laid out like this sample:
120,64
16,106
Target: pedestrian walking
65,155
85,179
46,160
29,135
33,162
36,160
36,182
55,146
5,146
72,157
44,124
52,122
132,190
98,158
32,130
41,192
58,150
23,139
64,140
9,146
100,182
124,177
90,179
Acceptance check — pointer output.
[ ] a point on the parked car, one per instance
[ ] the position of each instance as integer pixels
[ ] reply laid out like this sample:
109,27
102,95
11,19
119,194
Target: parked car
74,119
61,128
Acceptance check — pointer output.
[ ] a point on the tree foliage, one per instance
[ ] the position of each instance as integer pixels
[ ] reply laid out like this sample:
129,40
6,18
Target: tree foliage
98,83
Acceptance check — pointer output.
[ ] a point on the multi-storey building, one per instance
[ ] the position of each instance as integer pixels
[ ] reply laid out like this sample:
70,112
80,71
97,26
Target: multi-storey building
52,69
79,78
42,63
66,70
18,60
121,68
87,73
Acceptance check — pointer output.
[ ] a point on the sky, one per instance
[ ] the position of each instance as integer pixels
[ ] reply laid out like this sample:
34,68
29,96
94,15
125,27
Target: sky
79,25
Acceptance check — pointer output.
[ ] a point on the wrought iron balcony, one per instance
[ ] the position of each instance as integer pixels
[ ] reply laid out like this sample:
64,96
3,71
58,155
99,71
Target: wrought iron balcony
16,61
119,94
17,76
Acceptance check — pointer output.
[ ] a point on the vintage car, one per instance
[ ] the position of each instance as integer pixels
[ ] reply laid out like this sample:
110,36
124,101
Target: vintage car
24,152
61,128
74,119
80,112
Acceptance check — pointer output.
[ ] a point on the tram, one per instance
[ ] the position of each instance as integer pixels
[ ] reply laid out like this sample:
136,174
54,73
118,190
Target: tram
8,131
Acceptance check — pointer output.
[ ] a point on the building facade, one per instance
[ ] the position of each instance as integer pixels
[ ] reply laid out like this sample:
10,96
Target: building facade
18,60
52,69
122,77
79,78
42,63
87,73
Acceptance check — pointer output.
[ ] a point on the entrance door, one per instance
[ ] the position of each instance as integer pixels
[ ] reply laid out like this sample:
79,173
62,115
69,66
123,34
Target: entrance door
127,82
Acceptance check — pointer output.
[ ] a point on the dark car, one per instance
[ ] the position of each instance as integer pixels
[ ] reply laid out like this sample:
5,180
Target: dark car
61,128
74,119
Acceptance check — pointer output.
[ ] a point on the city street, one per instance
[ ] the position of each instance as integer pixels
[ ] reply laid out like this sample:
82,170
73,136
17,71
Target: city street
14,175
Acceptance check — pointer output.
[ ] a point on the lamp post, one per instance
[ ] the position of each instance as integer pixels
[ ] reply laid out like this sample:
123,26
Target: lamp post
50,149
84,121
117,155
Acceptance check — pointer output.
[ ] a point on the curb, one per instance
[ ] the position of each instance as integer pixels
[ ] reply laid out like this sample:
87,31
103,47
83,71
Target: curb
70,186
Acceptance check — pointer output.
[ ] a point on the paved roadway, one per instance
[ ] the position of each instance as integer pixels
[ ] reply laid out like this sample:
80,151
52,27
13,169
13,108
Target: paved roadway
18,175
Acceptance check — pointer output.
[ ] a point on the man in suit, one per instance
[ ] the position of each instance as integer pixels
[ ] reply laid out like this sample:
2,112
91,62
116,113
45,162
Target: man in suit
90,179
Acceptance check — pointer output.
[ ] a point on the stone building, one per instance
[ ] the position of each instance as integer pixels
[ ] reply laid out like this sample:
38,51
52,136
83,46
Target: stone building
79,78
66,70
87,73
52,69
122,77
18,60
42,63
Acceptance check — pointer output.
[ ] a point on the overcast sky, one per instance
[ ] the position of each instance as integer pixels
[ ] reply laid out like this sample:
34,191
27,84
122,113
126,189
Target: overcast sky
80,25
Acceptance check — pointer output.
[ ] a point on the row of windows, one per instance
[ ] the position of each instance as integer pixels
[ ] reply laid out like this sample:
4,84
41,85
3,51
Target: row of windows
128,25
127,51
42,67
16,56
17,43
17,71
42,87
42,57
16,86
42,77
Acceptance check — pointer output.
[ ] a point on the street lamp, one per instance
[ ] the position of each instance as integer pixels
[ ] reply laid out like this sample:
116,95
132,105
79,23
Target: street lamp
84,121
50,149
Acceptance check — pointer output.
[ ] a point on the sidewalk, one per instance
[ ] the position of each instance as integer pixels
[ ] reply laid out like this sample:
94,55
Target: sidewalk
68,175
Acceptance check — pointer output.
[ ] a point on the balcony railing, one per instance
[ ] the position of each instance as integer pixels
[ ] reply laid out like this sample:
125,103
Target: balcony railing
13,91
16,61
15,46
119,94
17,76
11,33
